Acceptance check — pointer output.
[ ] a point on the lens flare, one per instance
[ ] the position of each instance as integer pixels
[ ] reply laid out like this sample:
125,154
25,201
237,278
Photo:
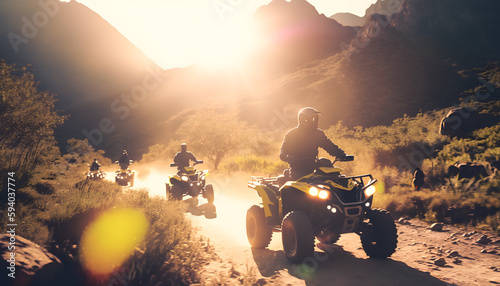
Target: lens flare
111,239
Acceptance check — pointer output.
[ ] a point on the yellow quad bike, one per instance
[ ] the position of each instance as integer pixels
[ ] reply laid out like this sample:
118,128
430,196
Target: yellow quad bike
189,182
322,205
124,176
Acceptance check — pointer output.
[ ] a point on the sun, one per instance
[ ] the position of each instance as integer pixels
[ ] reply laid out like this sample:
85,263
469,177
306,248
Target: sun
228,47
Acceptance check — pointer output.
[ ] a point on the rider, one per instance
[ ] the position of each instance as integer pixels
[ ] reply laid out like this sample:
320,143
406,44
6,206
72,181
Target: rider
95,166
182,159
300,146
124,160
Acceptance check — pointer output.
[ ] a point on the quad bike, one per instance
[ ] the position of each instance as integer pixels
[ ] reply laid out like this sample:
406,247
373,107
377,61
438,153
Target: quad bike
124,176
322,205
95,175
189,182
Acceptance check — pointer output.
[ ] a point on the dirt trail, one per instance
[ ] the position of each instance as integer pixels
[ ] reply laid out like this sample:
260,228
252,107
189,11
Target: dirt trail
345,263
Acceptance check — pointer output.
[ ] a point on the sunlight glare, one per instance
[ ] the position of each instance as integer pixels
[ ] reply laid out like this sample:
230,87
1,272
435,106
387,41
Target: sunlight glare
227,47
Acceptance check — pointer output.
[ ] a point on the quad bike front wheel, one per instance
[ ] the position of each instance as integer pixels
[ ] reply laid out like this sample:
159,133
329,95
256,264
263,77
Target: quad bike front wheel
258,233
175,193
209,194
298,236
379,236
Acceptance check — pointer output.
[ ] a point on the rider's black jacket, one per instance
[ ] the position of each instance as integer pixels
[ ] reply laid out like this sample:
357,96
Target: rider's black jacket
182,159
95,166
300,149
124,160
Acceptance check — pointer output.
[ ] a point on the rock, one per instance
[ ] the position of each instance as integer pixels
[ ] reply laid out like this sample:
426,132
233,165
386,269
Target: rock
262,281
34,264
468,234
484,251
403,220
456,260
437,226
440,262
453,253
484,239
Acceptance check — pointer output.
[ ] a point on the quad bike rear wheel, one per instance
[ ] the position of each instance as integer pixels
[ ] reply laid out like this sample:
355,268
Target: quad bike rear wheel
209,194
379,236
298,237
258,233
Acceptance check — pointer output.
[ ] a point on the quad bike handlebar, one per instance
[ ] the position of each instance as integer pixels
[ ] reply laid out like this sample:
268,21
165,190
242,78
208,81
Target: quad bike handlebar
195,163
347,158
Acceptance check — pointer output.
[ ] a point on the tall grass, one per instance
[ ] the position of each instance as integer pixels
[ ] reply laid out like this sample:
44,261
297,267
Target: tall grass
170,254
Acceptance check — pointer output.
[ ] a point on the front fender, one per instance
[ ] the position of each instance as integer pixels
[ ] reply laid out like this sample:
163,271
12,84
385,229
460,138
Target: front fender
271,202
175,179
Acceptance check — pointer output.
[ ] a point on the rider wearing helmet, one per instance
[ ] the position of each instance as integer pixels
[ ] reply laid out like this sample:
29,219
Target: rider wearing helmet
95,166
124,160
182,159
300,146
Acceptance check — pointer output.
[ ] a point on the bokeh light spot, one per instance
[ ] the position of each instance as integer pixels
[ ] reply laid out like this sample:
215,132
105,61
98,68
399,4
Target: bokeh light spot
111,239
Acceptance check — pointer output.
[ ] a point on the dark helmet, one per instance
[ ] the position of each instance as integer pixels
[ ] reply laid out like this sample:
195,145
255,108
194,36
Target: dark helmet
184,147
95,160
309,117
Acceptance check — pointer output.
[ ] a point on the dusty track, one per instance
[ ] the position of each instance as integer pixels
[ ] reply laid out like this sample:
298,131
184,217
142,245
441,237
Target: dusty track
345,263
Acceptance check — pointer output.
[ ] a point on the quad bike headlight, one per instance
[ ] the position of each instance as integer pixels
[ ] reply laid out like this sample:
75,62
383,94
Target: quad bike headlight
184,178
370,191
322,194
313,191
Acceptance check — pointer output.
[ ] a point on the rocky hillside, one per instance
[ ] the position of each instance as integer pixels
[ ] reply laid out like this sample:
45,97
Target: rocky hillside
421,58
382,7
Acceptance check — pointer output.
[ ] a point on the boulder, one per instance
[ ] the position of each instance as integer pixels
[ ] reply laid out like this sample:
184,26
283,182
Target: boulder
437,226
467,170
34,265
459,122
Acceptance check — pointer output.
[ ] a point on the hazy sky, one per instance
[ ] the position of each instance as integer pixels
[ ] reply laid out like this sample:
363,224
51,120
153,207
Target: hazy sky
178,33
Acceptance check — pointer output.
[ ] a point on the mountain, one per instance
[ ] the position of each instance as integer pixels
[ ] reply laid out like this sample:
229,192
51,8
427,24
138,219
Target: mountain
348,19
421,58
75,53
464,30
417,59
294,33
382,7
